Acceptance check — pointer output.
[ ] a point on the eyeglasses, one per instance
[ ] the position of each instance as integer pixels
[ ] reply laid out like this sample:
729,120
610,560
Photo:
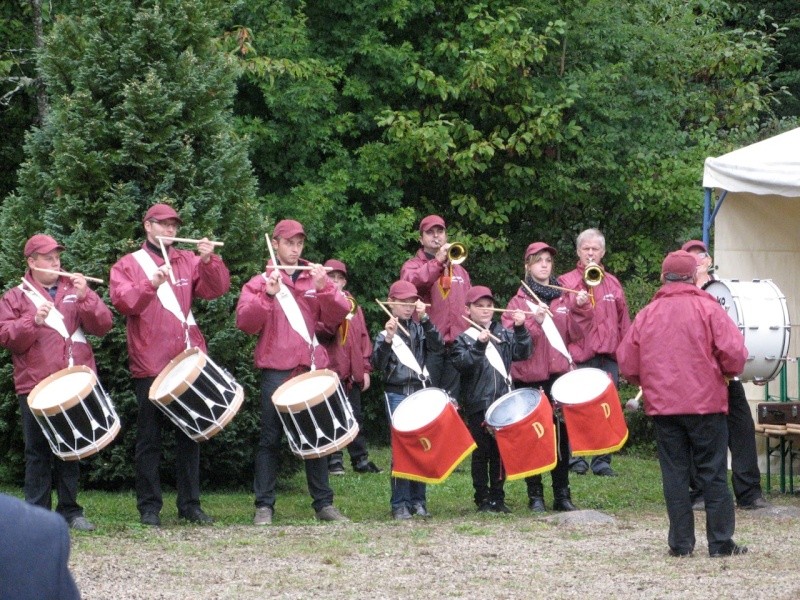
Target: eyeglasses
167,224
702,255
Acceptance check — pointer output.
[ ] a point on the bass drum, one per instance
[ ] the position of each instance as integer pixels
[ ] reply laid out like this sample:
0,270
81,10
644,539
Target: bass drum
759,310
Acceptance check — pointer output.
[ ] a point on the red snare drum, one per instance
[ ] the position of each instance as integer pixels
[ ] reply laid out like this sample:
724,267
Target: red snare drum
592,411
429,439
523,426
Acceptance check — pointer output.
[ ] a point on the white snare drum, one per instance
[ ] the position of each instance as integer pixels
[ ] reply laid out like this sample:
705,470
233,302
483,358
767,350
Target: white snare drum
76,415
759,310
419,409
315,413
196,394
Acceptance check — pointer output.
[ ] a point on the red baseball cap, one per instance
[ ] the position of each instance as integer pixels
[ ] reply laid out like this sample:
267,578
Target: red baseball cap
537,247
476,293
287,229
161,212
679,263
691,244
336,265
41,244
431,221
403,290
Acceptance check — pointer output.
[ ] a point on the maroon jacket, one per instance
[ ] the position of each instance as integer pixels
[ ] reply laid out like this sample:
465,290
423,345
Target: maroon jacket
681,348
38,351
447,307
156,336
572,322
349,347
279,346
611,319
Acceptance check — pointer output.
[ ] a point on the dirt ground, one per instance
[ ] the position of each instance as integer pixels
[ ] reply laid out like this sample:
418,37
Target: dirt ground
585,555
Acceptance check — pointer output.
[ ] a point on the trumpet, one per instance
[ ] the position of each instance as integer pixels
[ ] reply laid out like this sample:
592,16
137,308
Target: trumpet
593,274
457,253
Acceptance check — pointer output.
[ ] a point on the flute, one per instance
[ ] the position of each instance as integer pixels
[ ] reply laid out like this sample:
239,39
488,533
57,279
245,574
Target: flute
67,274
188,240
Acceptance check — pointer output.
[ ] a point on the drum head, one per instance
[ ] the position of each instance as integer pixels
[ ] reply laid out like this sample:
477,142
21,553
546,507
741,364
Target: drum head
175,378
62,390
419,409
580,385
722,292
513,407
305,390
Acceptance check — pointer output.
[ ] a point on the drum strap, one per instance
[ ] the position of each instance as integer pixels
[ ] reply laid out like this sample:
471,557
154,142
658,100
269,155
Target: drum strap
55,320
551,332
407,358
492,355
295,317
166,295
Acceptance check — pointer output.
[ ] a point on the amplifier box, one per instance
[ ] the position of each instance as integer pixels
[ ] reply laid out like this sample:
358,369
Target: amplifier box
778,413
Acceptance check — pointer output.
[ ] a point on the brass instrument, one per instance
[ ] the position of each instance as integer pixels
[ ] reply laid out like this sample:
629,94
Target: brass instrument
353,307
593,274
457,253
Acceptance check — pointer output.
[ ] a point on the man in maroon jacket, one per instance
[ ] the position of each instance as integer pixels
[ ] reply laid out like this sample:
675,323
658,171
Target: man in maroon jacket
44,332
609,325
444,286
284,308
160,326
349,350
682,349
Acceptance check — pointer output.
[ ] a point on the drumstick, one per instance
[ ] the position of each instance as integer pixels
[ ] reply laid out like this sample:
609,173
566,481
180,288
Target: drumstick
187,240
166,262
524,312
535,297
402,303
66,274
563,289
388,312
480,328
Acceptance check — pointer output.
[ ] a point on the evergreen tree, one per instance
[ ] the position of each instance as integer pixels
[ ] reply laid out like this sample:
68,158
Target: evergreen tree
140,112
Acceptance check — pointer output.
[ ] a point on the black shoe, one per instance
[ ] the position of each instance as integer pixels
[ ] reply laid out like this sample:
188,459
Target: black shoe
498,506
367,467
81,523
536,504
336,469
150,519
196,516
731,550
401,514
680,553
419,510
484,507
606,472
759,502
579,468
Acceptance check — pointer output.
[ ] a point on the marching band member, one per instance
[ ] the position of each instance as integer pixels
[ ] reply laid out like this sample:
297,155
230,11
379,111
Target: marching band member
402,356
349,351
283,307
484,365
745,474
160,326
42,323
610,322
569,320
444,286
681,348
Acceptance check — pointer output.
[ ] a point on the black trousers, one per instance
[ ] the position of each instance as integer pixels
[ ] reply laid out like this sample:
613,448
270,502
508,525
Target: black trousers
268,451
488,476
150,421
702,440
745,474
42,467
443,373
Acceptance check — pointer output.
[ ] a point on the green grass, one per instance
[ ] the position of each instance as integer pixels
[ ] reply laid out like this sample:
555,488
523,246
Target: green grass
365,497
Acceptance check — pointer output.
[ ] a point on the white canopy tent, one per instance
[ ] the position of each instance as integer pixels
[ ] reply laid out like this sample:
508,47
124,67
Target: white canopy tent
756,222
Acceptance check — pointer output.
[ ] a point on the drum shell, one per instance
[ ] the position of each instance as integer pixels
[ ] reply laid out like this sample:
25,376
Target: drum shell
528,445
316,414
203,399
760,312
590,406
429,449
80,424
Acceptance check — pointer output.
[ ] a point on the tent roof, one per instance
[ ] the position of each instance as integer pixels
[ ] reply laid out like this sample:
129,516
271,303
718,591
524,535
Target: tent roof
769,167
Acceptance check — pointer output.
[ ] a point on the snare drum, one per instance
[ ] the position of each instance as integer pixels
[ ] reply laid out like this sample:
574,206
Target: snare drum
76,415
315,413
196,394
592,412
759,310
429,439
522,422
